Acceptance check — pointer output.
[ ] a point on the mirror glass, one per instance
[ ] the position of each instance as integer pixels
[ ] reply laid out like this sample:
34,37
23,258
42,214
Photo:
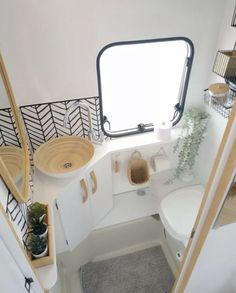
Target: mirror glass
14,167
142,82
227,213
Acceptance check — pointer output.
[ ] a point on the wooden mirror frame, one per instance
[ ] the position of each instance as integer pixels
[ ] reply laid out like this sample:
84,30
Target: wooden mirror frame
23,195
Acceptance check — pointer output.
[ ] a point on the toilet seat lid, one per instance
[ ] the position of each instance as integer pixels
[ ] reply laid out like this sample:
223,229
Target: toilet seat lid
179,210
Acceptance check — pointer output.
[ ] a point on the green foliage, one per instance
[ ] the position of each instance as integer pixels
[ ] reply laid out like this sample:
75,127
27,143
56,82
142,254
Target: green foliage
39,228
36,210
187,145
36,244
36,214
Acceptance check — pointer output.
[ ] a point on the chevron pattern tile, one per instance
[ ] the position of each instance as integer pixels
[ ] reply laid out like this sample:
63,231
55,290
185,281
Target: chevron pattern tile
45,121
16,212
8,131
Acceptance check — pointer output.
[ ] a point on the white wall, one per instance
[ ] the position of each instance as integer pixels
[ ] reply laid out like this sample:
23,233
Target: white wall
217,124
210,145
50,47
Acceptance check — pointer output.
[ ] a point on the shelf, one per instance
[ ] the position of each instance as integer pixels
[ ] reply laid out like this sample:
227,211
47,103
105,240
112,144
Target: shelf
49,258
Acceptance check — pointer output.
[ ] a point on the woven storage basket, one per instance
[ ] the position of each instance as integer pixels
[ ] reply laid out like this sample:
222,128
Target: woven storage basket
138,171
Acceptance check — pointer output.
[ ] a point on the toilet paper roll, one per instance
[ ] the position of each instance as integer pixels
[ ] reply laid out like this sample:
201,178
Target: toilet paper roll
161,163
163,131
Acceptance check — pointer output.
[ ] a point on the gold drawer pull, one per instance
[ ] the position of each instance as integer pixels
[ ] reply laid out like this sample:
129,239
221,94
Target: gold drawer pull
94,179
85,190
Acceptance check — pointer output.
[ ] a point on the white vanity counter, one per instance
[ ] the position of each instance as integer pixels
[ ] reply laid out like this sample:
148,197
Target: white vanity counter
47,188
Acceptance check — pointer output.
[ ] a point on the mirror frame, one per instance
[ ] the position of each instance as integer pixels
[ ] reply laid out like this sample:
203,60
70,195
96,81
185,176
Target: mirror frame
23,195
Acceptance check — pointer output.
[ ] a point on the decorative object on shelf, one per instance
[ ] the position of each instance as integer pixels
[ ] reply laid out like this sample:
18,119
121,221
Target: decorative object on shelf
188,143
138,172
36,211
218,92
39,215
36,215
225,66
223,109
37,246
233,22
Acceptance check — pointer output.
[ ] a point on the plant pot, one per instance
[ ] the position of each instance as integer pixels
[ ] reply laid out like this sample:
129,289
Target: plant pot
186,176
42,254
44,234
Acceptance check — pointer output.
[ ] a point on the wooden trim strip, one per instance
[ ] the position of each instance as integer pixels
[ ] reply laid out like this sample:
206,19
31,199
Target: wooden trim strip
23,195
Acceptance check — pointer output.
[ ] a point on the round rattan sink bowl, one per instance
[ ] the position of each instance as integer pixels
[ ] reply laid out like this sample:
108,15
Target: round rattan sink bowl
12,157
64,156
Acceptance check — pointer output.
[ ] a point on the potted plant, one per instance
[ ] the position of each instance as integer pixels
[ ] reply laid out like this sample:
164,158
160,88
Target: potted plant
36,216
37,246
36,210
188,143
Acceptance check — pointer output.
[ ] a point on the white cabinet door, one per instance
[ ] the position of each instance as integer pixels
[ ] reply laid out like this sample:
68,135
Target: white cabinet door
100,185
84,203
74,209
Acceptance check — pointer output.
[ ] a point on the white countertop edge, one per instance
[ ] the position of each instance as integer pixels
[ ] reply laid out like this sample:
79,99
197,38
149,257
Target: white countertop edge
55,185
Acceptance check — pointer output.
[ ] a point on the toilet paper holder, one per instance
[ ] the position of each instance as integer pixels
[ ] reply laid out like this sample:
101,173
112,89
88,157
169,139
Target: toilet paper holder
160,161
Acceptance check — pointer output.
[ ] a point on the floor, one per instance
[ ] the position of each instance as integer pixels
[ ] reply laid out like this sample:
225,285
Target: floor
143,271
105,244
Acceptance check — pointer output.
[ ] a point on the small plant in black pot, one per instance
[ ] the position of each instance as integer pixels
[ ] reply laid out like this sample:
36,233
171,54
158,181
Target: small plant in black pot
37,246
36,216
39,228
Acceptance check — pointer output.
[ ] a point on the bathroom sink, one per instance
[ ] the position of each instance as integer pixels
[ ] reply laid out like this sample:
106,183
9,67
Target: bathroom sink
64,156
12,157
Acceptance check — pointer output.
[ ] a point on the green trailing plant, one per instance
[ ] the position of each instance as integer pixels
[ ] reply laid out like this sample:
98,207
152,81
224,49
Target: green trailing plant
188,143
36,214
37,245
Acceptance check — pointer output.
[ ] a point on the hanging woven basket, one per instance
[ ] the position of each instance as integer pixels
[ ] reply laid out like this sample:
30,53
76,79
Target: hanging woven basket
138,172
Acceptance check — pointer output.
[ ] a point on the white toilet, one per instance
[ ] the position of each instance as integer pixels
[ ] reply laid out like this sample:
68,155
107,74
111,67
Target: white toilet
178,212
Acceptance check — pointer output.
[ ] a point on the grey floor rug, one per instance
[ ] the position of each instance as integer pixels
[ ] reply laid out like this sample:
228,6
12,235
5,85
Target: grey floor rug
145,271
